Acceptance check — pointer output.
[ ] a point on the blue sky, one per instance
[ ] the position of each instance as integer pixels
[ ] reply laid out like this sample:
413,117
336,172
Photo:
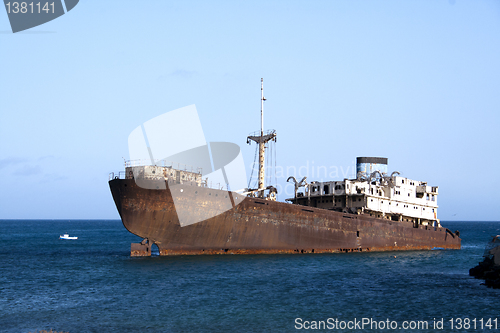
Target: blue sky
414,81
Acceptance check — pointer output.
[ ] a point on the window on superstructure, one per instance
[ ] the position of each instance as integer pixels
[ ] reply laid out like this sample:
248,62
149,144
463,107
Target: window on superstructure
433,199
326,188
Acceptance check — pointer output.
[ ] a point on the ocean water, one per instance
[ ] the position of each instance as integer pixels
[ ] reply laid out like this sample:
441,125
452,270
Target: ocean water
93,285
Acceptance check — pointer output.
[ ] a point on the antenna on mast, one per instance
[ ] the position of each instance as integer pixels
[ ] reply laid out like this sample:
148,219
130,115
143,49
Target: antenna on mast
262,99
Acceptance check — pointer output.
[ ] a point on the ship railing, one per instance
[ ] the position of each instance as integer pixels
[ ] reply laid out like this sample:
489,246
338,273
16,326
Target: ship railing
223,187
117,175
163,163
204,183
266,132
216,186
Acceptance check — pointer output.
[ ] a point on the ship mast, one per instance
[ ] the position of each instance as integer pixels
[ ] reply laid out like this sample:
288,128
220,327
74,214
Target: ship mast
262,146
262,140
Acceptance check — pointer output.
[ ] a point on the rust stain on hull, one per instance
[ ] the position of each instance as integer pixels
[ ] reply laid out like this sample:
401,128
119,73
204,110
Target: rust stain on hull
166,252
256,226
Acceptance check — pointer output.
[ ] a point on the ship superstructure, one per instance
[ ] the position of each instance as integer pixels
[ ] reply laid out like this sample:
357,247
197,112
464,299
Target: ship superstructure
375,193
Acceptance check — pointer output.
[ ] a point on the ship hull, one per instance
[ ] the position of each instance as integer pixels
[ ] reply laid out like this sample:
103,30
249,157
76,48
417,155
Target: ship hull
260,226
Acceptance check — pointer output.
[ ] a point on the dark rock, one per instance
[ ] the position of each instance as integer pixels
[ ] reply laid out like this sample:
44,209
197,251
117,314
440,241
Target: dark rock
489,268
492,283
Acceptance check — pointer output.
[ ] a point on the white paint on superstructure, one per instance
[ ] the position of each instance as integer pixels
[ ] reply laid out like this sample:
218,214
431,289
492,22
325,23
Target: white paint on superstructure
392,197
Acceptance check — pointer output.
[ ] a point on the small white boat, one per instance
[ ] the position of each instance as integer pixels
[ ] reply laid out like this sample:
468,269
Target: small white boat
66,236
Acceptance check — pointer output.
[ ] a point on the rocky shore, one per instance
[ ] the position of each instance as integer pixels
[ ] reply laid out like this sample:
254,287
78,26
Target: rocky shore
489,268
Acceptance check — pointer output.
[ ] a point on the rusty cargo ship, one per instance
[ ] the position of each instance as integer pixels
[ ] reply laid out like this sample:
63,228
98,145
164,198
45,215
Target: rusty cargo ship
182,214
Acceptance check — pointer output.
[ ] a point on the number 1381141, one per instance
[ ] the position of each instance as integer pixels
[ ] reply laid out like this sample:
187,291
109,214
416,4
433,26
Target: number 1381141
29,7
